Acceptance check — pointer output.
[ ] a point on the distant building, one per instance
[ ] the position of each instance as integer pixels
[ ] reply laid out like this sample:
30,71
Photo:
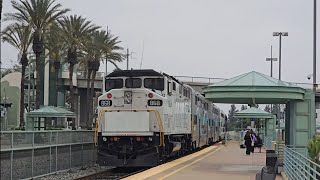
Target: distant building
10,93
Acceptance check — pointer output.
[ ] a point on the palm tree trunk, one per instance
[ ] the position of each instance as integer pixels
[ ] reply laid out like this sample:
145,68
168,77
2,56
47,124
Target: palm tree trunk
1,2
88,94
94,72
22,82
56,88
57,68
38,81
71,92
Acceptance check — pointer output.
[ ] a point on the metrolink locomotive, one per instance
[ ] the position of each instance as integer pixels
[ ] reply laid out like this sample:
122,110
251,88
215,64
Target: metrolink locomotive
146,116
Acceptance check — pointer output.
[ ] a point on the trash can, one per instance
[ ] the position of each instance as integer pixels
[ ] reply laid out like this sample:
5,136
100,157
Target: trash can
268,173
271,158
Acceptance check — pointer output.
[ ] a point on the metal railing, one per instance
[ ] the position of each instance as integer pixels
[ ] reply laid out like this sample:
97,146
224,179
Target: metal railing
298,166
268,142
31,154
199,79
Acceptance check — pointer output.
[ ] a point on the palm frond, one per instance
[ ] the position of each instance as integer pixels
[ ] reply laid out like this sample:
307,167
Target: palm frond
38,14
19,36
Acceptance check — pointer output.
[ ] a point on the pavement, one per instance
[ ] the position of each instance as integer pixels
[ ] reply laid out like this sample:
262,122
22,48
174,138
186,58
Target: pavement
227,162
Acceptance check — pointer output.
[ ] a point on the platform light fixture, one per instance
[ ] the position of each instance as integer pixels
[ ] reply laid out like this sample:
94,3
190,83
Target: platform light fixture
280,34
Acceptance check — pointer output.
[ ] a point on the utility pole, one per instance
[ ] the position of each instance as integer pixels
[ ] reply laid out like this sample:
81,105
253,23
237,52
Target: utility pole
271,60
315,45
107,54
127,58
271,71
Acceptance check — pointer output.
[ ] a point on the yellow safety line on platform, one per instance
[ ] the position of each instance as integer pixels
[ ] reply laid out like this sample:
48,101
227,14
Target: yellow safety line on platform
163,167
174,172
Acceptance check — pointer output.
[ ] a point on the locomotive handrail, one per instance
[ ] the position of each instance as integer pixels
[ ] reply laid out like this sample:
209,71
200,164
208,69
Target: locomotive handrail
158,117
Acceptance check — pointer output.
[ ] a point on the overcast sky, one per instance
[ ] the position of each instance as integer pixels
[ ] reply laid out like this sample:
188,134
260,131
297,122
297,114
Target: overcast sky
204,37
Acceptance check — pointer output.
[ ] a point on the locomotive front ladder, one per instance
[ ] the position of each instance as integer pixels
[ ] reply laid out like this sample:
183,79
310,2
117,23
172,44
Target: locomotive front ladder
158,117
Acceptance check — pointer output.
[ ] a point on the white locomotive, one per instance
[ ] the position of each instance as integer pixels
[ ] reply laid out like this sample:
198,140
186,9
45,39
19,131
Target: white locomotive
146,116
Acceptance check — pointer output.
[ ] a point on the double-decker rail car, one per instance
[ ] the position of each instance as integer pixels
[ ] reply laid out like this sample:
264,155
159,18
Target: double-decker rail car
146,116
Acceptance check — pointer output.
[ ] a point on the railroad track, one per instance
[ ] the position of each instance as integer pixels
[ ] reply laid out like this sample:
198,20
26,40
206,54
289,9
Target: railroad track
113,174
123,172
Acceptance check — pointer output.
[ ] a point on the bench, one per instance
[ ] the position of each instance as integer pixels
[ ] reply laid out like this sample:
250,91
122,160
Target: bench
268,173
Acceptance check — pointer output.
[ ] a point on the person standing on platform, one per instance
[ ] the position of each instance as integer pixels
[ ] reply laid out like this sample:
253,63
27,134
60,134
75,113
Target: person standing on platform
253,140
248,142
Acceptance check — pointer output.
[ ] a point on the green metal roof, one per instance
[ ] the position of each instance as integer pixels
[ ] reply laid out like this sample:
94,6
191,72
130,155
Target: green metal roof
51,111
253,112
253,78
253,88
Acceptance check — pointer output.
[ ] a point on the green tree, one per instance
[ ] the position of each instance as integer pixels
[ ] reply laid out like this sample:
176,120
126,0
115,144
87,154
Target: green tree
275,109
19,36
39,15
75,31
267,108
243,107
314,148
232,120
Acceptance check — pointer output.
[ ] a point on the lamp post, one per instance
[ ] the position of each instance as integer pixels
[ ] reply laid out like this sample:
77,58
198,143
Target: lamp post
280,34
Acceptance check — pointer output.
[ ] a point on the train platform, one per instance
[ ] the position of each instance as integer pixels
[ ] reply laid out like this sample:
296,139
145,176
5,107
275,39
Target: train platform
226,162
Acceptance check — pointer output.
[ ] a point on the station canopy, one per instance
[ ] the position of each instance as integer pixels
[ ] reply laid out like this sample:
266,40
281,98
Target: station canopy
253,88
51,111
253,112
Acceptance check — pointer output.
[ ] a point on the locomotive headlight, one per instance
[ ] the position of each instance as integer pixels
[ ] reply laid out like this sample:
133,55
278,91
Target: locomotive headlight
104,139
127,97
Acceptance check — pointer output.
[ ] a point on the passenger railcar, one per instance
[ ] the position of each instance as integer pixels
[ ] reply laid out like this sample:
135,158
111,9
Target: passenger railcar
146,116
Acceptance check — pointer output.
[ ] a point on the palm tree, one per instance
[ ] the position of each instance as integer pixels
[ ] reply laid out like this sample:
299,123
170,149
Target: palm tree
39,15
107,46
101,45
19,36
56,48
112,51
76,32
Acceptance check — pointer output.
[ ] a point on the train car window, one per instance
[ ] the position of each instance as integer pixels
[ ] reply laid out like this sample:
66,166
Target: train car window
184,92
174,86
180,89
113,84
195,119
154,83
133,83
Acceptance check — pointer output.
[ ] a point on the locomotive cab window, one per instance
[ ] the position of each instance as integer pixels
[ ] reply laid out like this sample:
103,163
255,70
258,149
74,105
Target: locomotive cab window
113,84
133,83
174,86
154,83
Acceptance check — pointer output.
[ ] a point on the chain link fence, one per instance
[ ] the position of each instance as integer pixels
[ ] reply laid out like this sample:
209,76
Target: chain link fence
31,154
